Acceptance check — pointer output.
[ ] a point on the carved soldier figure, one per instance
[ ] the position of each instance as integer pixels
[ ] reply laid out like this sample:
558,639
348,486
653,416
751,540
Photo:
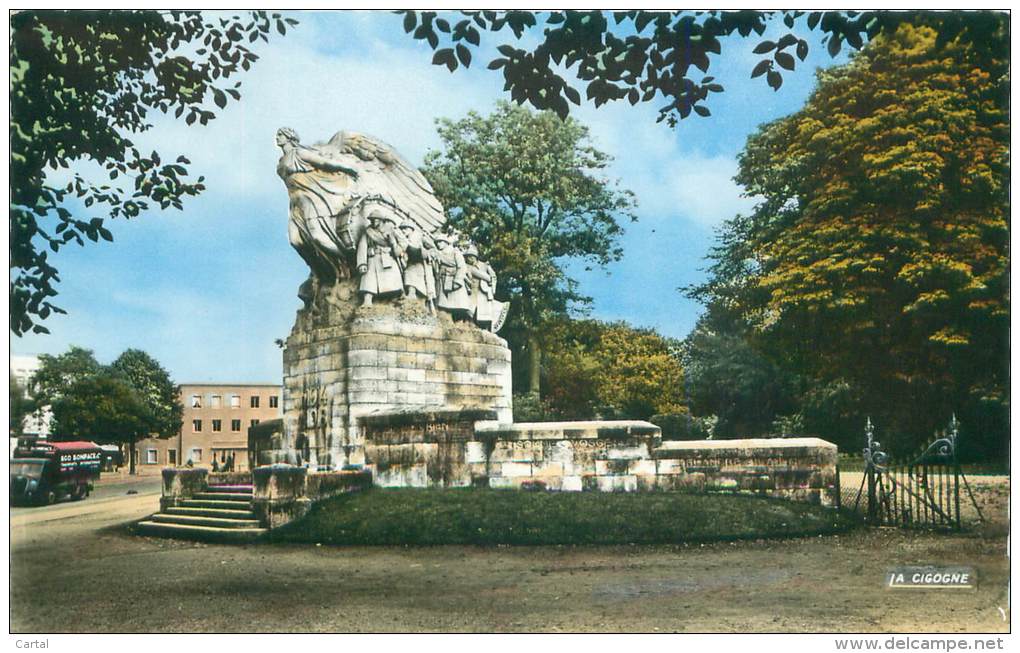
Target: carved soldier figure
416,260
451,272
376,258
481,284
328,183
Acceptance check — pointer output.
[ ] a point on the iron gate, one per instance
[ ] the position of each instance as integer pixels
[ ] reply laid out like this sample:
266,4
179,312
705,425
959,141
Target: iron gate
922,492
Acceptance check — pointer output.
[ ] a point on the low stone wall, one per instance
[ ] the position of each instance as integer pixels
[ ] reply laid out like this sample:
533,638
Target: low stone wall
801,469
446,450
421,448
180,484
229,478
283,493
606,456
452,450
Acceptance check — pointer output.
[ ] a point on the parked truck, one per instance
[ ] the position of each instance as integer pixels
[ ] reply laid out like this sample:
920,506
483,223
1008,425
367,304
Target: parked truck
47,472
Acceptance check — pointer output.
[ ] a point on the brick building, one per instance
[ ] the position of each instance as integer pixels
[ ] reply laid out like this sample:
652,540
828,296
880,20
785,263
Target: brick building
215,424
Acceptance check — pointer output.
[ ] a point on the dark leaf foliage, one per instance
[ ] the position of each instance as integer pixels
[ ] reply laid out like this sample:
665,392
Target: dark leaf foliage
131,398
81,82
641,56
871,278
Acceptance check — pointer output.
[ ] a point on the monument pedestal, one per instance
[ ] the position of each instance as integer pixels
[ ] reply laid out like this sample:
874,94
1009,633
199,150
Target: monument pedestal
343,362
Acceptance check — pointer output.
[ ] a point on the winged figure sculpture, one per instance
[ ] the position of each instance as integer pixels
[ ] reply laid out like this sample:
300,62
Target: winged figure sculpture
333,186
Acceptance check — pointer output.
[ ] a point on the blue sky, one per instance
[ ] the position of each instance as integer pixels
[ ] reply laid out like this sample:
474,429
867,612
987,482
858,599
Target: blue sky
207,290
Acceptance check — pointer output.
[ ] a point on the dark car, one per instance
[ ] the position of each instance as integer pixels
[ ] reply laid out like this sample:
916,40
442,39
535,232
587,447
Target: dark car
51,471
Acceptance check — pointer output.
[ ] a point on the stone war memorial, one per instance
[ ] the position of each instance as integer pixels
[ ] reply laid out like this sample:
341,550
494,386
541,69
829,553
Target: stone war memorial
394,374
399,314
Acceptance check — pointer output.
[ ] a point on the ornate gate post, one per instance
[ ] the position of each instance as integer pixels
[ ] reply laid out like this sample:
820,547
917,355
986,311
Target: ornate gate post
954,429
874,458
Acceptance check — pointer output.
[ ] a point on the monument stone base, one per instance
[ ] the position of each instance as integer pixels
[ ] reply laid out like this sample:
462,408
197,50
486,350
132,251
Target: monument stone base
343,362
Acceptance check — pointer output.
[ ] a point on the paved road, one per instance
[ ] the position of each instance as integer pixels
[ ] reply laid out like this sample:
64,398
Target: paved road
104,490
77,568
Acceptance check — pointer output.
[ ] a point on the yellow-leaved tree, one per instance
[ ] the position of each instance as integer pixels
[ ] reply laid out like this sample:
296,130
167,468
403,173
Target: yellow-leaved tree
878,256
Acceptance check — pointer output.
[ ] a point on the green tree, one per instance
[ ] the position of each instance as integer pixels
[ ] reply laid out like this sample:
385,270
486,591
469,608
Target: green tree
84,396
610,370
728,377
660,56
878,254
81,81
154,387
103,408
529,190
56,374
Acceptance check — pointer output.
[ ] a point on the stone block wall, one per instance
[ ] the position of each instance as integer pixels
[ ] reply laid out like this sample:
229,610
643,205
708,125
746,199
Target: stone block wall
228,478
423,449
803,469
449,450
283,493
606,456
470,449
180,484
379,362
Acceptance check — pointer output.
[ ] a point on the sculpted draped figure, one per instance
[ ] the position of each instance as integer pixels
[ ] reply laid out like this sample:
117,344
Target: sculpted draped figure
334,185
359,210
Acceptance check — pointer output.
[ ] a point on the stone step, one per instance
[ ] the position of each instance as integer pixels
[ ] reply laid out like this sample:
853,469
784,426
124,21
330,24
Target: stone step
219,513
209,503
221,522
223,496
247,489
202,533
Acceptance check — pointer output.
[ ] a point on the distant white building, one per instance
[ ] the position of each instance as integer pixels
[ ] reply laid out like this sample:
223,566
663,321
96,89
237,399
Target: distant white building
22,368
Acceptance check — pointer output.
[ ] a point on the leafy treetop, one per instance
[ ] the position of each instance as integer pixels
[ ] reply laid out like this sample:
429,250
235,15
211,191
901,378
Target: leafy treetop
57,373
609,370
531,191
155,389
644,56
879,252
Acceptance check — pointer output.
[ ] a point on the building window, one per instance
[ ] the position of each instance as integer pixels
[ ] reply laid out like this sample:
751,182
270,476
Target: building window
151,456
235,401
235,425
274,402
217,426
255,401
196,401
196,425
254,422
217,402
172,456
195,456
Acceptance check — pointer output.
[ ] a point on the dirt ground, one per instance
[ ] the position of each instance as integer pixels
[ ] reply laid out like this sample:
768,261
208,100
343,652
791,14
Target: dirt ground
85,572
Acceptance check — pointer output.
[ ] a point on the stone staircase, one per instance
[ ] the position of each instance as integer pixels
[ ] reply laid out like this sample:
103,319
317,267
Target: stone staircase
223,513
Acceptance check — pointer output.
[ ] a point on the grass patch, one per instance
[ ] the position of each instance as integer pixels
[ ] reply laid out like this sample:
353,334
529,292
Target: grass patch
482,516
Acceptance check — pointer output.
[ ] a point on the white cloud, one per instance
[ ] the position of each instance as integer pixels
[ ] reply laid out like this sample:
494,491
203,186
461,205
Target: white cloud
391,93
670,177
702,189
